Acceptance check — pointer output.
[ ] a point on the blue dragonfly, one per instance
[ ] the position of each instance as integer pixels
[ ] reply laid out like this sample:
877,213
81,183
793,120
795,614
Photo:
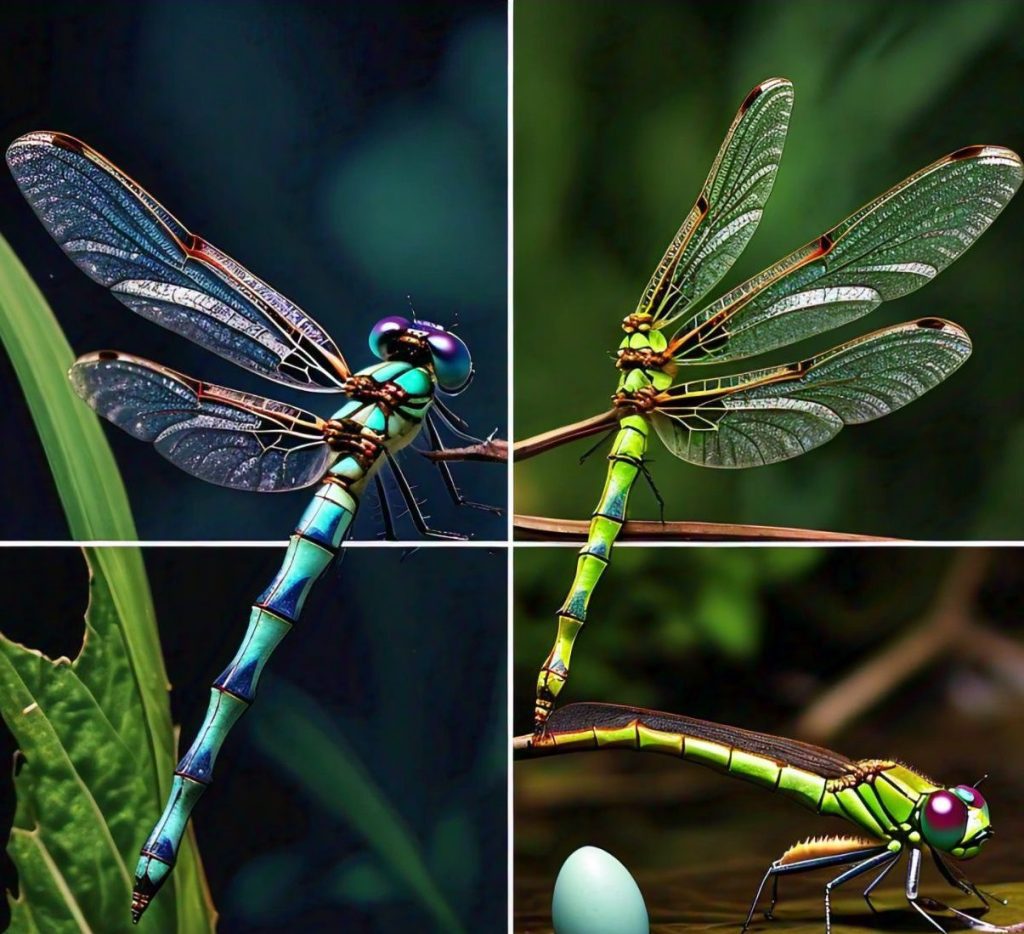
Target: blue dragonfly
123,238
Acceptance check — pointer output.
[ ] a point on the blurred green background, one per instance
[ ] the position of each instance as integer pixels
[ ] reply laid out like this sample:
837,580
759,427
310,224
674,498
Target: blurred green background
619,111
913,653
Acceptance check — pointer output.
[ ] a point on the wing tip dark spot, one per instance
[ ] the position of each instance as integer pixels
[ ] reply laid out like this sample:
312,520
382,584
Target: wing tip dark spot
967,152
106,355
702,205
935,324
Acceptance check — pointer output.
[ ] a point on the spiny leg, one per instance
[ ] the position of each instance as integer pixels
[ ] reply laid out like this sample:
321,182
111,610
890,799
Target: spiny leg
414,507
455,422
385,510
454,492
779,868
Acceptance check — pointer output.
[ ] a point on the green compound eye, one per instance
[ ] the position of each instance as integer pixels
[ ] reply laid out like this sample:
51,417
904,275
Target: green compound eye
943,820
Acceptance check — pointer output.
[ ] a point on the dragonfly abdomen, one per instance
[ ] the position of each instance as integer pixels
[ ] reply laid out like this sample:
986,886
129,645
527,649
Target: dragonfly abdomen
625,462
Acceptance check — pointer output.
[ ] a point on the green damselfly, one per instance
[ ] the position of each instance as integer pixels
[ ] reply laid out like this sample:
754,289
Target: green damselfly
887,249
899,810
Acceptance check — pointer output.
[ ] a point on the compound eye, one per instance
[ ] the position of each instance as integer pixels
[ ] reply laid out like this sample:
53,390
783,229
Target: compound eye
970,796
384,334
453,365
944,820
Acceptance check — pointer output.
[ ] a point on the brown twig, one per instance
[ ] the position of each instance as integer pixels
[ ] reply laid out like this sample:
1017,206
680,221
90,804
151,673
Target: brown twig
544,529
494,450
538,444
945,626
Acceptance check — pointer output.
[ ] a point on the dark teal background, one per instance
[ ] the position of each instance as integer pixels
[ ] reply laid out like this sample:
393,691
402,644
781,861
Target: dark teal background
619,111
352,155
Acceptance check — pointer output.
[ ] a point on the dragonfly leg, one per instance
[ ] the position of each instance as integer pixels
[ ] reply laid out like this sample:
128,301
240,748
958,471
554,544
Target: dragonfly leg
866,859
959,881
600,443
913,891
414,507
874,882
887,856
385,509
654,490
436,444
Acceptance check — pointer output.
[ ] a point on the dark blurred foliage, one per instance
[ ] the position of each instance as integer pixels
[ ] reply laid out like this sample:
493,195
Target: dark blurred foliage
619,110
353,155
389,656
745,635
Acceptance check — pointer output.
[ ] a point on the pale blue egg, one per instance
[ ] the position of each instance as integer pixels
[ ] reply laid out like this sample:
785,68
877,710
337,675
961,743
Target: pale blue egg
595,894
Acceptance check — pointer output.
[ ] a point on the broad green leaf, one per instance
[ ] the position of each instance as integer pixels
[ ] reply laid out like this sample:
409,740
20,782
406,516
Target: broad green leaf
96,733
93,772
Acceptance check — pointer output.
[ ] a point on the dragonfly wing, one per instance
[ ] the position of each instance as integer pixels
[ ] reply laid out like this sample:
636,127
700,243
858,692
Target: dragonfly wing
773,414
888,248
230,438
125,239
725,216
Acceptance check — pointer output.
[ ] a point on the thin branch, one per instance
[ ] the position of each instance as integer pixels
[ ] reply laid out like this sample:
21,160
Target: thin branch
538,444
494,450
942,628
544,529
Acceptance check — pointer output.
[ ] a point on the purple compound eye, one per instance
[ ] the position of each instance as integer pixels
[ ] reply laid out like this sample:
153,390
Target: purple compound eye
453,365
383,335
944,820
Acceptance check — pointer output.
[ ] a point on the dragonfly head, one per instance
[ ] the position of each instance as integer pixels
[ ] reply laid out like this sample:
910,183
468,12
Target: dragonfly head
424,344
955,820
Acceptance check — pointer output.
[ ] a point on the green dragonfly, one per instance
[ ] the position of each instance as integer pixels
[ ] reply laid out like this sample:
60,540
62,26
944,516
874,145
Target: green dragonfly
887,249
898,809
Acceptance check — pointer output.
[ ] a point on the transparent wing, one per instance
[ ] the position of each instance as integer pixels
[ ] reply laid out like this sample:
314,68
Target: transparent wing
888,248
727,213
230,438
773,414
125,239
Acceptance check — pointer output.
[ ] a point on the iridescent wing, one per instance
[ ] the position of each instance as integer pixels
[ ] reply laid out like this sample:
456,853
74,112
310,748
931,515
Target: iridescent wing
729,207
125,239
887,249
773,414
230,438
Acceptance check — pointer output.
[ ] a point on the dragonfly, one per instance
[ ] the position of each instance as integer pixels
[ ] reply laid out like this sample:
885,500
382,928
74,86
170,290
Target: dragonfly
898,810
123,238
887,249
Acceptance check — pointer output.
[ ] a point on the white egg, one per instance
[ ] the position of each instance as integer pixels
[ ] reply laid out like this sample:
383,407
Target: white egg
595,894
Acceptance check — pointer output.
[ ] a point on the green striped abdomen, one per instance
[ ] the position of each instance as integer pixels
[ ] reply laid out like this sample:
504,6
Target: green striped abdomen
625,462
877,796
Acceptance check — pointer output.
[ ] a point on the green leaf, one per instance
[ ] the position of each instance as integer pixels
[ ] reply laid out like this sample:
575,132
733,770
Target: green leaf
345,789
96,733
94,768
88,482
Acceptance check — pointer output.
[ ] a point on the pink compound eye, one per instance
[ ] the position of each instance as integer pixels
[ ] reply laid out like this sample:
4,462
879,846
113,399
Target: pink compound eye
944,820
